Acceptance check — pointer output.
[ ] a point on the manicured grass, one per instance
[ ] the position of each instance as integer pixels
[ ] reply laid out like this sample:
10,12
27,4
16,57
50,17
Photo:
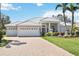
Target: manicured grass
69,44
4,43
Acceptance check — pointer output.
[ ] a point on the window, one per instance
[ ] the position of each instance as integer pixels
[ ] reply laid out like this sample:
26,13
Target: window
11,28
32,28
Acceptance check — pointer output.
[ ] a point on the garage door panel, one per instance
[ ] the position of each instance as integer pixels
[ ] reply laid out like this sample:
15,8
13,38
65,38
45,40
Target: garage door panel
11,33
29,32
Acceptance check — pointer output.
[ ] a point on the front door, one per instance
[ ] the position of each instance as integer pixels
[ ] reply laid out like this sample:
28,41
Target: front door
43,31
53,28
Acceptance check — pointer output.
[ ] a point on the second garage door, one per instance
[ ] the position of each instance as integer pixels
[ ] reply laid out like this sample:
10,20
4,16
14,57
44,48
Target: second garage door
29,31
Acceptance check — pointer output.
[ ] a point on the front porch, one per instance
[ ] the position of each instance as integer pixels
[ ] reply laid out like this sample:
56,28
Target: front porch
49,27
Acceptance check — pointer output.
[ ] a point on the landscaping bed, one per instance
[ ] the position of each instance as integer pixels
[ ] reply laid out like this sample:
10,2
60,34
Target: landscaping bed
4,42
70,44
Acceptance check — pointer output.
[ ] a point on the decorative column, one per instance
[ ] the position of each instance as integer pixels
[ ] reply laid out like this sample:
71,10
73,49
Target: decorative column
49,27
59,29
46,28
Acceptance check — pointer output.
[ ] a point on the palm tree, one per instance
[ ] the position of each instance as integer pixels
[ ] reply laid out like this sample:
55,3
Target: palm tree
63,6
72,8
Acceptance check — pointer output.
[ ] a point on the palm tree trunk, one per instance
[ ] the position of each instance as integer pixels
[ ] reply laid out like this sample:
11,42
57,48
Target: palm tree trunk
72,23
65,24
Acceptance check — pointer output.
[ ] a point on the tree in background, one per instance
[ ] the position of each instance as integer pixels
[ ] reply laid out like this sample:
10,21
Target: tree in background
72,8
60,16
3,21
63,6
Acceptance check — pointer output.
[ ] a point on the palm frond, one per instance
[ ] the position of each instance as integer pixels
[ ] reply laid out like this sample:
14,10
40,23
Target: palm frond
76,8
67,8
65,3
59,5
77,3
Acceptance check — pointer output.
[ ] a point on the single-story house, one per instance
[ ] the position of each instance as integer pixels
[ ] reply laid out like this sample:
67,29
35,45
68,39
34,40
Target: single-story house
36,26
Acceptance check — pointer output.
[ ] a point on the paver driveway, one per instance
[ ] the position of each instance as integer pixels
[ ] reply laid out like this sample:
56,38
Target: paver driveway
35,46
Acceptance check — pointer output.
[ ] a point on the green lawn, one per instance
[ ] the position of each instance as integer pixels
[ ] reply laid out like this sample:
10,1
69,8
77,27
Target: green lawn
69,44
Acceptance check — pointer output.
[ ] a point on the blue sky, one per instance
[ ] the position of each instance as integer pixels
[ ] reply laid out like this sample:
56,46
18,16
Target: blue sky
25,11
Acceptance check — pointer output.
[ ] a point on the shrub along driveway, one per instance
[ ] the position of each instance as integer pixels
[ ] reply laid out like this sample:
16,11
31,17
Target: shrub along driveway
35,46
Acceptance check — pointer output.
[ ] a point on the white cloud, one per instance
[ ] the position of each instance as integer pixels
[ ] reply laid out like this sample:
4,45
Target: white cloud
56,12
76,16
49,13
39,4
7,6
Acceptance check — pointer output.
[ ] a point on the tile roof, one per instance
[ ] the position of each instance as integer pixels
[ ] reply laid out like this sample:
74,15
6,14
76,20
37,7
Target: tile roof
53,19
36,21
13,24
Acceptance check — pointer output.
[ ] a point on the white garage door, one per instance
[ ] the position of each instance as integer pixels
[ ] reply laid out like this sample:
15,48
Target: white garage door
11,31
29,31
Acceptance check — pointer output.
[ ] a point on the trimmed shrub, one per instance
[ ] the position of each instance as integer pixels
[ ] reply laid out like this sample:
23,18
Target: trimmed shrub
52,34
73,34
55,33
68,33
4,32
48,34
77,33
62,34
